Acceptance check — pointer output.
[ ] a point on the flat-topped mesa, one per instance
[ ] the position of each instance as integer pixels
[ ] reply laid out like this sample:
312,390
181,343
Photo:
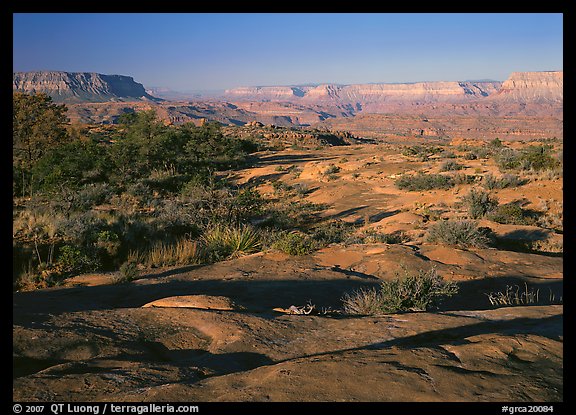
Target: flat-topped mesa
420,91
266,92
441,91
532,87
81,86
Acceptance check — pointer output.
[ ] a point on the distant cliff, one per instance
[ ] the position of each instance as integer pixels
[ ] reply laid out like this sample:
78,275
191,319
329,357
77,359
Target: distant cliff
81,86
532,87
426,92
519,88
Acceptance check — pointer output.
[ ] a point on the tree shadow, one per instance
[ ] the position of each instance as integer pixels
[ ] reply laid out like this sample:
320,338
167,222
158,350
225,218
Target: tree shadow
526,235
31,309
381,215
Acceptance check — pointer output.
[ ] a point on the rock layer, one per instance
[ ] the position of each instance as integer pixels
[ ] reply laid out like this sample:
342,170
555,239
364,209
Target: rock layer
364,93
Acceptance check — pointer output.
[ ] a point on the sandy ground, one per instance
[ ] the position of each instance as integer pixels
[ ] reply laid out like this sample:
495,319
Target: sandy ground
211,333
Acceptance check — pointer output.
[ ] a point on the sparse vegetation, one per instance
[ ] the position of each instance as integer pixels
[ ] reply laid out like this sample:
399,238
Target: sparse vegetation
411,292
423,181
451,165
422,153
512,297
490,182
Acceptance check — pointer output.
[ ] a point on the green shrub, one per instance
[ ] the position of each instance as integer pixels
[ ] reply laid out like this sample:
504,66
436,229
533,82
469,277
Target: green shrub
422,181
531,158
538,158
71,260
411,292
295,243
478,203
460,233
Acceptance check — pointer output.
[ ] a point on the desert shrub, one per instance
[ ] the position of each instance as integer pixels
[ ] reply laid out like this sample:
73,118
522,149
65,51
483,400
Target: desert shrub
295,243
551,219
364,302
478,203
141,192
301,189
490,182
128,272
461,178
410,292
460,233
476,153
451,165
422,181
508,158
92,195
281,187
512,214
448,154
496,143
331,169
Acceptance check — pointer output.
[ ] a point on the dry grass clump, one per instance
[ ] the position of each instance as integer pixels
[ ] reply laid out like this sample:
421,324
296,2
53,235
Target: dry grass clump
183,252
511,296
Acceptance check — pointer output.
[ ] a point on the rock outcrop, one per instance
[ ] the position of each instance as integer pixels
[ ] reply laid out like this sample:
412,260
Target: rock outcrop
81,86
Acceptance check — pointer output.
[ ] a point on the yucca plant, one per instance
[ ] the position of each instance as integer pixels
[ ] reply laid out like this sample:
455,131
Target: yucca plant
221,242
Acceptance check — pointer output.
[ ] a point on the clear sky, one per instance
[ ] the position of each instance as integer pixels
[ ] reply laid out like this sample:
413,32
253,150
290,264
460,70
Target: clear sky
203,51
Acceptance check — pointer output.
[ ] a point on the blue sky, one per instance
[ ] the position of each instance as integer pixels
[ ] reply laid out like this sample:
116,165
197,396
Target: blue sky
208,51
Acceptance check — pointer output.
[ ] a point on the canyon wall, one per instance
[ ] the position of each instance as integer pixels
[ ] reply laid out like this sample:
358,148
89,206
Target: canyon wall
80,86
